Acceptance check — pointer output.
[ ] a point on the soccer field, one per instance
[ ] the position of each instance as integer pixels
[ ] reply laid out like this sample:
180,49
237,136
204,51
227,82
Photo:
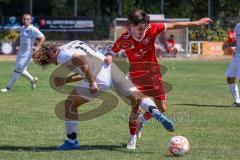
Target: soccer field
198,104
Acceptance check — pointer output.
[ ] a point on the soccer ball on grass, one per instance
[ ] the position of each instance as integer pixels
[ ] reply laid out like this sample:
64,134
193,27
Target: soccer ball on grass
179,145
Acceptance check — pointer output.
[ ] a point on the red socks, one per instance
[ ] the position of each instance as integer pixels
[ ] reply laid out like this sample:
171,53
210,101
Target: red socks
147,115
133,128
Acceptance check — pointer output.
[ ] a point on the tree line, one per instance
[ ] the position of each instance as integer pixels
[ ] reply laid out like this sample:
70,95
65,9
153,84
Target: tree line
224,12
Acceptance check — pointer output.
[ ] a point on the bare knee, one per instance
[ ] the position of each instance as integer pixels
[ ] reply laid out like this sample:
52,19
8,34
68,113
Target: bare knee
70,107
71,103
135,99
161,105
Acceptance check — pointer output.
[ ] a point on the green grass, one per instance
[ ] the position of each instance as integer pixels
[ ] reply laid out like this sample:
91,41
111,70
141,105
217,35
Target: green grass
198,104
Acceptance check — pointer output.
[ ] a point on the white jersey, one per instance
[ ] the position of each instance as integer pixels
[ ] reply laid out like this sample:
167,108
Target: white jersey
27,38
237,31
93,58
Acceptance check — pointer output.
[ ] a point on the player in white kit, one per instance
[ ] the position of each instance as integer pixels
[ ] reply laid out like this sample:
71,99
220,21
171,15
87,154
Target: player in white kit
88,65
28,34
233,70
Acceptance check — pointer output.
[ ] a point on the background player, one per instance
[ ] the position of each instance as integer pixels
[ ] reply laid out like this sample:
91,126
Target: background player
138,44
97,77
171,46
233,70
28,34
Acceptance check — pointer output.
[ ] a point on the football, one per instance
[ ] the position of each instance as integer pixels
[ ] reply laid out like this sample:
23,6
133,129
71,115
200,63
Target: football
179,145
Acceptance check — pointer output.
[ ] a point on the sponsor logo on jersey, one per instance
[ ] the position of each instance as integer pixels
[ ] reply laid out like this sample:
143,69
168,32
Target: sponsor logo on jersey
84,50
141,53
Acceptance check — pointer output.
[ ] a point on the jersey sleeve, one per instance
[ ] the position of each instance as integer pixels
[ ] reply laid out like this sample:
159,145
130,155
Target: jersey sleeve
116,47
37,33
158,27
64,56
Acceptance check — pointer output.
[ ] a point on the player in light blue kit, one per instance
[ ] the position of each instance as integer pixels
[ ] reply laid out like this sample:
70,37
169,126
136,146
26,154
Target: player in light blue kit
233,70
28,34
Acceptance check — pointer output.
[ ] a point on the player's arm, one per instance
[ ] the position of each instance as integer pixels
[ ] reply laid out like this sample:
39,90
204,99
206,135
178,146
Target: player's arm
60,81
178,25
80,61
73,78
114,49
41,40
17,41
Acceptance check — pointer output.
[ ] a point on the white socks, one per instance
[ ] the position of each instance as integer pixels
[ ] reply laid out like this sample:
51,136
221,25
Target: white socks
71,126
27,75
234,91
132,136
146,102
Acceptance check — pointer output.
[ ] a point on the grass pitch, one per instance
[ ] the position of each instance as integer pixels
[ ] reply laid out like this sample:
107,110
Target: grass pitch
198,104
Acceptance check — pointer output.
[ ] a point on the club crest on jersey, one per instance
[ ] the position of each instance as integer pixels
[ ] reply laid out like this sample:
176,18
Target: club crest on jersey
125,44
146,41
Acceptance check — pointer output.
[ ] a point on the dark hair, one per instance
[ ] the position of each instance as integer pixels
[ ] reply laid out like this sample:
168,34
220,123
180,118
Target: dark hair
27,14
45,54
138,16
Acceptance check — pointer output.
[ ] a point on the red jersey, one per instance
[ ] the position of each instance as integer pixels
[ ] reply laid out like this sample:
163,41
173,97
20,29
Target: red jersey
172,42
231,36
144,68
142,51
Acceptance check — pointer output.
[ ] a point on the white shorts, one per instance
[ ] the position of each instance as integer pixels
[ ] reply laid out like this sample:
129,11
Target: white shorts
22,63
233,70
109,77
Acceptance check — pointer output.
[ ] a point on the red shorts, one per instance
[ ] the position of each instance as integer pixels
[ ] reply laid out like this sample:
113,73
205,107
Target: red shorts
149,82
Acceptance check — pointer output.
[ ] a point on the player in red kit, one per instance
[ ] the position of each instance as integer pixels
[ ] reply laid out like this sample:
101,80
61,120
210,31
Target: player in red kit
231,35
138,44
231,39
171,42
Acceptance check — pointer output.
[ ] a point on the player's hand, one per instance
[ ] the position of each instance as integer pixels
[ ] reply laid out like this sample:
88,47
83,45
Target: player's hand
205,21
59,81
93,88
35,48
108,59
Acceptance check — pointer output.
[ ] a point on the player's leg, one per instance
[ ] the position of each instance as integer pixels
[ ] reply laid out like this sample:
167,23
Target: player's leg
231,74
137,99
159,96
79,96
20,61
233,88
133,125
73,101
168,50
161,105
174,52
28,76
125,88
148,105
